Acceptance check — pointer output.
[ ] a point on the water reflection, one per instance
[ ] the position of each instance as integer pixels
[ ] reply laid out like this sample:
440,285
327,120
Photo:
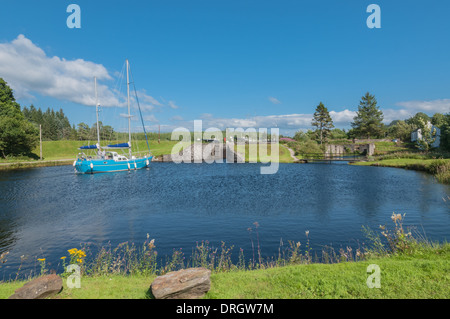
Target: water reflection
45,211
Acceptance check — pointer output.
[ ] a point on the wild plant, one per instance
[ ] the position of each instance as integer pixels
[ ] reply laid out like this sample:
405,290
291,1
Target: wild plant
224,263
203,255
176,262
398,239
148,258
42,264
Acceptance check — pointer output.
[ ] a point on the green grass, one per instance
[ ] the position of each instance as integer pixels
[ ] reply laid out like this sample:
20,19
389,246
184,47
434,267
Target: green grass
440,168
400,162
283,153
383,147
424,274
68,150
53,150
401,277
96,287
64,149
110,287
411,267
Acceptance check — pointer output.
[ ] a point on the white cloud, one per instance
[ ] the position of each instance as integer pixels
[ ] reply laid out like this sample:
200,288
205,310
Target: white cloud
151,118
206,116
173,105
399,114
408,109
148,98
176,118
433,106
224,123
282,121
342,117
29,70
292,122
274,100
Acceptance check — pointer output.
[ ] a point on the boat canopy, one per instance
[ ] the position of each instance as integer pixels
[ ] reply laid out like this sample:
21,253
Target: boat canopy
88,147
121,145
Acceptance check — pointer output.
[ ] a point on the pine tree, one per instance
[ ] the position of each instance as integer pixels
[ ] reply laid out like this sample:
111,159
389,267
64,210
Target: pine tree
368,121
322,120
83,131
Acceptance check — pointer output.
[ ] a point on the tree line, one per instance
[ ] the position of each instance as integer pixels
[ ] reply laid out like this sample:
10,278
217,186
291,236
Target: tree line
56,126
368,124
19,129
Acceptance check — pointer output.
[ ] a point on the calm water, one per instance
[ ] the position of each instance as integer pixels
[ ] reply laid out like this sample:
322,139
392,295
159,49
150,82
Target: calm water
45,211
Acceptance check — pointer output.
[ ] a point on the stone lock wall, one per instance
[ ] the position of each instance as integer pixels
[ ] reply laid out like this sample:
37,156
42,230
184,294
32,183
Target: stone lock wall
336,150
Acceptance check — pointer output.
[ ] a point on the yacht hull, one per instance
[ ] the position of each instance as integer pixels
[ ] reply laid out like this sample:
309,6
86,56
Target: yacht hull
93,166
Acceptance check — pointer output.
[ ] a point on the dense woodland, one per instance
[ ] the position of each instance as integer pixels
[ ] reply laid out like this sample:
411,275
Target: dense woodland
19,127
56,126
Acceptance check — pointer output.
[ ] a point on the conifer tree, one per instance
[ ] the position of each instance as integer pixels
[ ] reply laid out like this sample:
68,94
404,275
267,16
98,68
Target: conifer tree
368,121
322,120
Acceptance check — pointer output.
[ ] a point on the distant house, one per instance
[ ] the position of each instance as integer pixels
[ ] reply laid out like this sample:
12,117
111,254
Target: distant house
417,135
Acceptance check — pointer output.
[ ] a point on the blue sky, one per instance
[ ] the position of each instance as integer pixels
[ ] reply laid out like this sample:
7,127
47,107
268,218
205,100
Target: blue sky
232,63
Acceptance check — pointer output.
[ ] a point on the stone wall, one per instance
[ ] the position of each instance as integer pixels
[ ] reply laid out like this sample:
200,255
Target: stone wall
341,149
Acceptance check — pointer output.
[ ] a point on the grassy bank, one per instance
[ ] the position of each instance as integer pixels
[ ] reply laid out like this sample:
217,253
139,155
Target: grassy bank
408,156
34,164
64,153
440,168
413,276
65,149
410,268
57,153
421,275
283,153
55,150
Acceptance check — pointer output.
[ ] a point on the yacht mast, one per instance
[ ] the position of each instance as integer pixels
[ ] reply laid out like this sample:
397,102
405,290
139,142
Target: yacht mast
129,110
96,111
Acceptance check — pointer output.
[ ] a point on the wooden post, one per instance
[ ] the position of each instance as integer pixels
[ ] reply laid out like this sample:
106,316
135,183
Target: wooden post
40,140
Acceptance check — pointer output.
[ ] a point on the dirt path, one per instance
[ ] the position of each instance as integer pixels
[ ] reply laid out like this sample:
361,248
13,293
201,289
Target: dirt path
291,152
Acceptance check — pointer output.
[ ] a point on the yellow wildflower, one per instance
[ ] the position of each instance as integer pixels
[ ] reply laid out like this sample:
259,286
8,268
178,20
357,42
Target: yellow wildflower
73,251
41,259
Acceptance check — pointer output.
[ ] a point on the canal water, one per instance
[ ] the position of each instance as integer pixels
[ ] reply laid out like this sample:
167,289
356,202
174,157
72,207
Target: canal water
46,211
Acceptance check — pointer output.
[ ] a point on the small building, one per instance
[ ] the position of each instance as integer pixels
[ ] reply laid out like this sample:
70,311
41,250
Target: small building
417,135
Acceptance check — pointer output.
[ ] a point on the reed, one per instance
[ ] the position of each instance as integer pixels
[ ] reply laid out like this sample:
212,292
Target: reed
129,259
